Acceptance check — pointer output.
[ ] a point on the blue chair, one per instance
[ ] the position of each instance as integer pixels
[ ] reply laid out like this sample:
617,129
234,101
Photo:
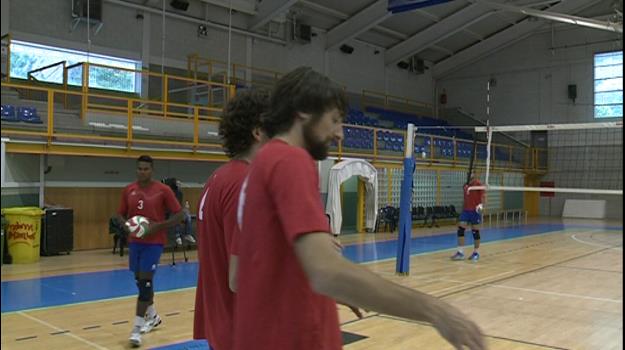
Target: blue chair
8,114
28,115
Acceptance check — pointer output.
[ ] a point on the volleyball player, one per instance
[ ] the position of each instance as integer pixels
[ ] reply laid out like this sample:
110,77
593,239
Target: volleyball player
153,200
289,270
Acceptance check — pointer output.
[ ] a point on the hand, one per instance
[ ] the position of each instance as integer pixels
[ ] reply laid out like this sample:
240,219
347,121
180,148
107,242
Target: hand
150,228
457,329
354,309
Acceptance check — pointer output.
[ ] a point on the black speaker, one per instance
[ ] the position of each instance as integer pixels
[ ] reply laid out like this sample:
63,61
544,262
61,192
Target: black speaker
57,231
572,92
346,49
181,5
403,65
302,33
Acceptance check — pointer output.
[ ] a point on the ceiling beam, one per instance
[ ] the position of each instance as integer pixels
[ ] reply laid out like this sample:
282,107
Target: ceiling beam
237,5
395,34
357,24
503,39
340,15
557,17
442,49
267,10
323,9
477,36
446,27
427,15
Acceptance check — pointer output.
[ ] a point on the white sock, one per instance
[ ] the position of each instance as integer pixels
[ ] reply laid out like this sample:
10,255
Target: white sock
151,312
139,321
460,250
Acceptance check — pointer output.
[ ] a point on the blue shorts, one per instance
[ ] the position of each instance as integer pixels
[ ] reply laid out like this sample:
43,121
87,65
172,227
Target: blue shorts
470,217
144,257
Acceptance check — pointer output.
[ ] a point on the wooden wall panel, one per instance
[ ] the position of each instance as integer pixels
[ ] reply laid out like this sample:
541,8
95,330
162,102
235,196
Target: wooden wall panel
92,209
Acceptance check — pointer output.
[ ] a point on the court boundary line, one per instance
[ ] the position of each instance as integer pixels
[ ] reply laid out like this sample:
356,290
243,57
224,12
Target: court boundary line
45,308
574,237
69,334
524,272
588,269
539,291
188,288
423,323
454,248
363,263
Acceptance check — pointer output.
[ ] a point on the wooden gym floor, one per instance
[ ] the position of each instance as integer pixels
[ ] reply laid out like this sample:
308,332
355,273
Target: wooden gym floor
545,285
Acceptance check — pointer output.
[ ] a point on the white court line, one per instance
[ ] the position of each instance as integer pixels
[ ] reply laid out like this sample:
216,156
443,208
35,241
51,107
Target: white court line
462,283
69,334
569,295
574,237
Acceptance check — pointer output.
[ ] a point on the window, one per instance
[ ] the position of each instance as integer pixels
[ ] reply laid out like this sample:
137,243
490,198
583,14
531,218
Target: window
26,57
609,85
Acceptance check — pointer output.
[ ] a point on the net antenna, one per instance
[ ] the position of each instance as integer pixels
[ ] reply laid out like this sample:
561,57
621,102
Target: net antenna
591,149
402,266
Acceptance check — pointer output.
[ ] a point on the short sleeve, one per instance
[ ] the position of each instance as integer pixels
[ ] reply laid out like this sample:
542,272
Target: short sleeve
231,226
294,184
123,204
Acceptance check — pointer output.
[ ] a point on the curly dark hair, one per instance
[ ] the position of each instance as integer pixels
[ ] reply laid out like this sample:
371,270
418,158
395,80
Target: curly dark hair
240,118
301,90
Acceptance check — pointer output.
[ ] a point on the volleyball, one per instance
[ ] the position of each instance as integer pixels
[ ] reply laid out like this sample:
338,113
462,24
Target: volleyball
479,208
137,225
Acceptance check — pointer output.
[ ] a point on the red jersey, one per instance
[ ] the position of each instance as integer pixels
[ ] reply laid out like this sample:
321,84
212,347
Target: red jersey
472,198
216,226
276,307
153,201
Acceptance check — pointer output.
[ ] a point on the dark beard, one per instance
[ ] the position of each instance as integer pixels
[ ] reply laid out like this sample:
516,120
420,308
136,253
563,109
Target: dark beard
318,150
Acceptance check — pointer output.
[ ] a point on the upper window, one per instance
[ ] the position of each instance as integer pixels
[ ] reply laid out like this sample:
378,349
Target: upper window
27,57
609,85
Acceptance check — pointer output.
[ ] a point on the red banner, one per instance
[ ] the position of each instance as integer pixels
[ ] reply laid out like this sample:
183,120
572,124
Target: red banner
547,184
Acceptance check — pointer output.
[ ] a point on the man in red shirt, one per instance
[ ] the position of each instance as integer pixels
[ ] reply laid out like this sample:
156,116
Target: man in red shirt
153,200
290,271
214,300
471,215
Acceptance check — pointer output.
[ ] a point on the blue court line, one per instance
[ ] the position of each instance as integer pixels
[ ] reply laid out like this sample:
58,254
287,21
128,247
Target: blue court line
92,286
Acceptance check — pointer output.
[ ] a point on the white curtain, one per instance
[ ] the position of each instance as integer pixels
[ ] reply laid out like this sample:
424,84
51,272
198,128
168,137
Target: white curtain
339,173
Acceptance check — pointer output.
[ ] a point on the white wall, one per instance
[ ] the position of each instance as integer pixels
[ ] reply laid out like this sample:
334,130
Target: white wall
73,171
124,35
532,80
5,16
531,88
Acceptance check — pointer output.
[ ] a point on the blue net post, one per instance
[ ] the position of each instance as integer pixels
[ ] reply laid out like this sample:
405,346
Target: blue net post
405,205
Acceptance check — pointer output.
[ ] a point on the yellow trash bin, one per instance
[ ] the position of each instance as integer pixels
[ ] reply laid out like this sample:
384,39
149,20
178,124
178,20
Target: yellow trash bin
23,231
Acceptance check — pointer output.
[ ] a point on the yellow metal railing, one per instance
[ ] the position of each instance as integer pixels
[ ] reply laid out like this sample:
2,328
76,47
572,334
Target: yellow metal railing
240,74
132,110
251,76
128,109
387,101
503,157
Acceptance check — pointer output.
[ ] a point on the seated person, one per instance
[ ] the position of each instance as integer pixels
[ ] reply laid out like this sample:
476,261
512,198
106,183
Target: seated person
182,230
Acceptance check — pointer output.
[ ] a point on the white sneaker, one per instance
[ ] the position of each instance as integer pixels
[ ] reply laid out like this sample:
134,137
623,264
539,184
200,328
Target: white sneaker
151,324
178,241
190,239
135,337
